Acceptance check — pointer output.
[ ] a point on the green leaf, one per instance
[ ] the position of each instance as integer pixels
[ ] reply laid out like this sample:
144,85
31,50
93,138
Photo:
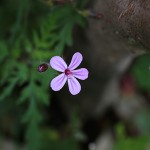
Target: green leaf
3,50
32,114
66,34
141,71
139,143
127,143
8,89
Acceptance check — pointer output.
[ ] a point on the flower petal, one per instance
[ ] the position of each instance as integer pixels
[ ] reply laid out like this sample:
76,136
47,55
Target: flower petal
74,85
81,74
76,60
58,82
58,63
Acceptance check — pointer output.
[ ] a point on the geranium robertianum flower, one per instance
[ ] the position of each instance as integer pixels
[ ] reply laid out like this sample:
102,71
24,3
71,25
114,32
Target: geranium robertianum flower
68,73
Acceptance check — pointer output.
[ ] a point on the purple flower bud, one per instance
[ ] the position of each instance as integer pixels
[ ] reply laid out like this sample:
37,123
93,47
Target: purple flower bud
42,67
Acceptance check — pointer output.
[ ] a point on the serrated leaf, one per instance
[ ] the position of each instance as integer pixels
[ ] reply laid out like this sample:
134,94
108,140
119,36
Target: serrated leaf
25,94
8,68
8,89
23,72
32,113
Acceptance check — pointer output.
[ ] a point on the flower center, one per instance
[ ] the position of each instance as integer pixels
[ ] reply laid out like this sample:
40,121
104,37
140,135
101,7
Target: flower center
68,72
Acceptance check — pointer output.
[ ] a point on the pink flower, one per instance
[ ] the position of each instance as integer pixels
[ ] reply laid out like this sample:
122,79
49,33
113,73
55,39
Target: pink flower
68,73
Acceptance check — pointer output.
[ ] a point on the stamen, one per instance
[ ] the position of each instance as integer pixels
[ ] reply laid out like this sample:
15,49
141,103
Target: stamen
68,72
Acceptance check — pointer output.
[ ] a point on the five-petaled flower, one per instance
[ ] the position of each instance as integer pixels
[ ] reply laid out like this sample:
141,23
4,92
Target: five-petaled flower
68,73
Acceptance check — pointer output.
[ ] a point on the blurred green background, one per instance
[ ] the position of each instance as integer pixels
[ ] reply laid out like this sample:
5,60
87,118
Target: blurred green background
31,32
